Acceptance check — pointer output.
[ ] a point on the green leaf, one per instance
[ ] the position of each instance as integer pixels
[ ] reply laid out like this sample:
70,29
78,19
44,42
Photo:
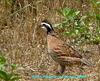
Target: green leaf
2,60
13,66
3,75
98,16
77,12
14,78
66,11
2,67
94,2
98,3
83,17
96,40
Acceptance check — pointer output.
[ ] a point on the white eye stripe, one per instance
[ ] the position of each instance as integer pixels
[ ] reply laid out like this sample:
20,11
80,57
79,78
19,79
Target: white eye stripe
46,24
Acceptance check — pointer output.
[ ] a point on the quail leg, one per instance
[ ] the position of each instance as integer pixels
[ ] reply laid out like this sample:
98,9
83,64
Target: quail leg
61,69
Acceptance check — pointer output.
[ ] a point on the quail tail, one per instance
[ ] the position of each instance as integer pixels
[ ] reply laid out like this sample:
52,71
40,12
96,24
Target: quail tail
87,62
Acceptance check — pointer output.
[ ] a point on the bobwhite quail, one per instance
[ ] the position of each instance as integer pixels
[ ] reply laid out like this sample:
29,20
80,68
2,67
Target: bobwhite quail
59,51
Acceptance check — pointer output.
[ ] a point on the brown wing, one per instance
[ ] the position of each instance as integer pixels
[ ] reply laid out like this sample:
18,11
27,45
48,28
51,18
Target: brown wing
59,47
62,53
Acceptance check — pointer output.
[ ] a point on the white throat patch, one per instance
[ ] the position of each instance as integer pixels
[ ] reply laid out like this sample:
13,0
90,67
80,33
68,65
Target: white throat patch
46,24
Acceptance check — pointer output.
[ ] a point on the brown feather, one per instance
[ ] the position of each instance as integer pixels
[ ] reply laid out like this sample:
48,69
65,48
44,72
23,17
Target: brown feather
59,47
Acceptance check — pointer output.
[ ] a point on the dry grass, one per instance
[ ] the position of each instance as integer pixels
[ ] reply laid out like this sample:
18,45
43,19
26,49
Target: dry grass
23,42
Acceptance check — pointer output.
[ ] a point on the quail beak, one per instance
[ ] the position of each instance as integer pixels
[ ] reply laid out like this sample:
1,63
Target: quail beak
41,26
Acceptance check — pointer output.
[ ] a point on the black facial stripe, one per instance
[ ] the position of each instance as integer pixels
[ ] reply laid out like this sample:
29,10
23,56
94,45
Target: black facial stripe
48,26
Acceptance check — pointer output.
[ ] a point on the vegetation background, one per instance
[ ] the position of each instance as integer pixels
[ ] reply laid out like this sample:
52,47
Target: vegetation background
23,43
